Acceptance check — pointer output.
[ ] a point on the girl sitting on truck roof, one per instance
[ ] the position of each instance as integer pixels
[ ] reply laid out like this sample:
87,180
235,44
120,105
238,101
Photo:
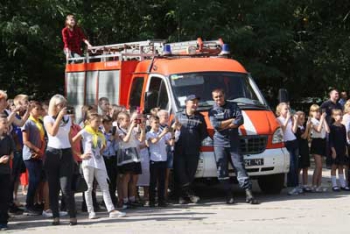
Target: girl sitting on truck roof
72,37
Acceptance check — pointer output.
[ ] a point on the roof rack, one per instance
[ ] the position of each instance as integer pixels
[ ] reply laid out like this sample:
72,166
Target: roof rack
138,47
123,51
141,50
197,46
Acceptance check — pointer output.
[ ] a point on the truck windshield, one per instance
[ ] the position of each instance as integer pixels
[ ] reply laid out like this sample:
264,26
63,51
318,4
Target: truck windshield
238,87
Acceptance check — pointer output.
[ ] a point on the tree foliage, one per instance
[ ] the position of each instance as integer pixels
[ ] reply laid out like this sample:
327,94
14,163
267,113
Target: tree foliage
300,45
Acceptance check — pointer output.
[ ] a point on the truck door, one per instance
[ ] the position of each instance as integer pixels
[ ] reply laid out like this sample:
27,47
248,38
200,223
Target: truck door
135,92
157,94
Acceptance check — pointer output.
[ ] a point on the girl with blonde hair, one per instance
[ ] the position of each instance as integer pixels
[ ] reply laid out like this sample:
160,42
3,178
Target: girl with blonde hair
59,161
318,147
289,125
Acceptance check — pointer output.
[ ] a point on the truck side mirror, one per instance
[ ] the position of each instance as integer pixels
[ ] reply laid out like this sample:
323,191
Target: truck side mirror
283,95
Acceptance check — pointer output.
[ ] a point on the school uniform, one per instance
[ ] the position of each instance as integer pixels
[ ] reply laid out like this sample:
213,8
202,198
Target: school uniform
158,165
95,168
338,140
291,143
318,139
110,159
304,152
128,156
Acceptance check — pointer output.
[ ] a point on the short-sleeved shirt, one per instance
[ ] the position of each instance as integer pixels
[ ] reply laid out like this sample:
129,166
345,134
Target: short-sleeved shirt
6,148
226,137
314,134
110,150
61,140
96,160
33,136
132,143
158,151
288,134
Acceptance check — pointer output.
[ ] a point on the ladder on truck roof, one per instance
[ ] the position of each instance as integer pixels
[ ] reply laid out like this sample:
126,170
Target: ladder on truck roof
197,46
147,49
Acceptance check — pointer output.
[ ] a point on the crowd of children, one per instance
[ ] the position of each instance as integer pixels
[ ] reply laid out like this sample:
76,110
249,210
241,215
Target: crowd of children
323,137
125,153
116,150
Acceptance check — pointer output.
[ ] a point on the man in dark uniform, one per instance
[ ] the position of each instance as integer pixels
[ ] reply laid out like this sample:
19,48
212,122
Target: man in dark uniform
330,105
193,130
226,117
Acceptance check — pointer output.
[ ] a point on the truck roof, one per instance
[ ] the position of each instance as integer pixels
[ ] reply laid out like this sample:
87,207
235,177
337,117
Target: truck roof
176,65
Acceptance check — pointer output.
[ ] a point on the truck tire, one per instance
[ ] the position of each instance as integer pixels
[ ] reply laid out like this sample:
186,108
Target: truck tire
271,184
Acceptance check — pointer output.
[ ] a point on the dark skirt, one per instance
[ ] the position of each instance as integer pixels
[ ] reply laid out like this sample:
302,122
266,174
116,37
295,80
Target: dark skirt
319,146
132,168
304,154
340,160
128,161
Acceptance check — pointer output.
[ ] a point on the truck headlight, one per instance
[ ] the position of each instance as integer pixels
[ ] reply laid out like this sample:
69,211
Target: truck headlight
207,142
277,136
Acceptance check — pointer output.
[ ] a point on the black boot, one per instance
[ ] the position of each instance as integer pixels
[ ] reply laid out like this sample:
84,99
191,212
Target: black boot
193,198
228,188
229,198
184,197
250,198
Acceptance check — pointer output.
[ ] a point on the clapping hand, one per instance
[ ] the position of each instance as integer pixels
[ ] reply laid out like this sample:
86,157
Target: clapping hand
4,159
86,156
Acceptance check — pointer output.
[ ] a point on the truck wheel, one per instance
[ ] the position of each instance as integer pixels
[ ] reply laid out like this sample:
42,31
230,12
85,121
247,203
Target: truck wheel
271,184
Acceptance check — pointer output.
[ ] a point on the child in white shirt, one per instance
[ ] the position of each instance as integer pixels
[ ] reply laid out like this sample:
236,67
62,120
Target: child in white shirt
93,164
157,141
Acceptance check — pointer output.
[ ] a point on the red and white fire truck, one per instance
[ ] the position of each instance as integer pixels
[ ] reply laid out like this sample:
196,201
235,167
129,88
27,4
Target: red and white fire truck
153,73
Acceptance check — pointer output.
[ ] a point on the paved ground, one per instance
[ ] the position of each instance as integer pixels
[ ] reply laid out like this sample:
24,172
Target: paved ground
307,213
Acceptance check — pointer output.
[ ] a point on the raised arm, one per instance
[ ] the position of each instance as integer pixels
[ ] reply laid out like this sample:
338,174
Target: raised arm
18,122
285,122
154,140
295,123
52,128
306,134
126,138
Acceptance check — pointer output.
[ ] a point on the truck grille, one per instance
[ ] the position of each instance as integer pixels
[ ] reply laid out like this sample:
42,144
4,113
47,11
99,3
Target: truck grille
253,144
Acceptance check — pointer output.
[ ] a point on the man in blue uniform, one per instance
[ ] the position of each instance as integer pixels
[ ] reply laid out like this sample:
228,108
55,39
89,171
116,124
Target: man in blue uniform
192,132
226,117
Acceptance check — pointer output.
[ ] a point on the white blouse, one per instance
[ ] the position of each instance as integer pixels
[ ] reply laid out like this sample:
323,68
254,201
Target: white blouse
288,134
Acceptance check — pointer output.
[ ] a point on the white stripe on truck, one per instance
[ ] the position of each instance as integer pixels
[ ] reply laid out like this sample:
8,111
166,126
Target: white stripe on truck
248,125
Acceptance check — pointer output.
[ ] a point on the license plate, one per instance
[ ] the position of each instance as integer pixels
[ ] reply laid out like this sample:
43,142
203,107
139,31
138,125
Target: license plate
254,162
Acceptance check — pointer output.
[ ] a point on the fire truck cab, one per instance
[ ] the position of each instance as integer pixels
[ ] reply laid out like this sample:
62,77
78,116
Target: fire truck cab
153,73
